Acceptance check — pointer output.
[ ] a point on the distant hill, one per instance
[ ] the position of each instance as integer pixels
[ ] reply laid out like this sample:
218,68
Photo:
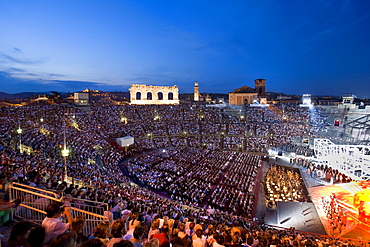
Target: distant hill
24,95
121,94
27,95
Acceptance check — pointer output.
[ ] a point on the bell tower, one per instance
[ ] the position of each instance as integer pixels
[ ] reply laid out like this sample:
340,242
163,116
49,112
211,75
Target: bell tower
196,91
260,86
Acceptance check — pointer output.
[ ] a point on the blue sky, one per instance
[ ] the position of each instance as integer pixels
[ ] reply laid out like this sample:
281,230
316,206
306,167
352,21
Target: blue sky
315,46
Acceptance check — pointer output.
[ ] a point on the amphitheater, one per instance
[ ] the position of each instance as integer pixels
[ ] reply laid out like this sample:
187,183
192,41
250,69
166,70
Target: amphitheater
277,172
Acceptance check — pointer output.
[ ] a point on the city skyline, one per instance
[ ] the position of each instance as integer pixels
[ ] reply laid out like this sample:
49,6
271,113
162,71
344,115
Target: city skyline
316,47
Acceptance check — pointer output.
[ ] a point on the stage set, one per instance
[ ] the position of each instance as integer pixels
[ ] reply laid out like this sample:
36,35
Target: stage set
341,209
344,209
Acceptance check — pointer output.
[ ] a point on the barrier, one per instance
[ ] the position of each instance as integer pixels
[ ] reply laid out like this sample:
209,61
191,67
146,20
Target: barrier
36,200
90,206
46,192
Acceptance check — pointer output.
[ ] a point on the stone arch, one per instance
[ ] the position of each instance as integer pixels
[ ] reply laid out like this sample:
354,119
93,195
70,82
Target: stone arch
170,96
149,96
160,95
138,95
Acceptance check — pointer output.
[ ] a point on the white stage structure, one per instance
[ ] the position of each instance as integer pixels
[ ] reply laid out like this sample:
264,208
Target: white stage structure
351,160
125,141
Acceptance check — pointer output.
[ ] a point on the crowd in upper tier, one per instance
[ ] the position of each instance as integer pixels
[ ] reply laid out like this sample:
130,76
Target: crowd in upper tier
200,165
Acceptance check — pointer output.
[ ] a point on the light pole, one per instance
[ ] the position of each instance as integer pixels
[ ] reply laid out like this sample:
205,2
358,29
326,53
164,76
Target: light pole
65,153
19,131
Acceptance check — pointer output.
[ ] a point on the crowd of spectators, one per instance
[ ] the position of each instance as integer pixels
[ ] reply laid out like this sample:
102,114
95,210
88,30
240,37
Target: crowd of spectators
223,179
145,228
199,166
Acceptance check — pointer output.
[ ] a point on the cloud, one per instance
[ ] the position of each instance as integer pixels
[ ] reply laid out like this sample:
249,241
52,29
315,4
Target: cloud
21,61
12,84
17,50
17,70
31,74
56,75
26,75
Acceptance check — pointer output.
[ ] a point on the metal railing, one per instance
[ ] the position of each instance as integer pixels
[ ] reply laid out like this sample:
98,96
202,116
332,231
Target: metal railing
89,206
35,202
42,191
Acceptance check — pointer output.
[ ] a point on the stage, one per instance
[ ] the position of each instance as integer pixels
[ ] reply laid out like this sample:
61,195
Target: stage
316,215
345,197
301,216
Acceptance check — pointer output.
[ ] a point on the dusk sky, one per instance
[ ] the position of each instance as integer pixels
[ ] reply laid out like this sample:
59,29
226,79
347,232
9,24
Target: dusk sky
320,47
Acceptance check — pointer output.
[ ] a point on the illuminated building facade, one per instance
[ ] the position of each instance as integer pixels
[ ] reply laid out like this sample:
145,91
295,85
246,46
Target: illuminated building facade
141,94
196,91
247,95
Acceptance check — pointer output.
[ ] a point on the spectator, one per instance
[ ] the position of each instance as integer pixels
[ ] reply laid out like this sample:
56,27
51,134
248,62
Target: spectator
199,240
118,231
154,229
19,233
152,243
36,237
78,224
163,237
137,236
124,243
219,241
102,232
95,242
52,223
67,239
133,223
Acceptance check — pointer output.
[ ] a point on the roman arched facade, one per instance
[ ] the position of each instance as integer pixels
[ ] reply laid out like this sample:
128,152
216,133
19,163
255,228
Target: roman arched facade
154,95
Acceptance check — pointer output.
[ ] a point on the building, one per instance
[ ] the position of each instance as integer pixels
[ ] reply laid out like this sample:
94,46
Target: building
81,99
348,101
247,95
196,91
154,95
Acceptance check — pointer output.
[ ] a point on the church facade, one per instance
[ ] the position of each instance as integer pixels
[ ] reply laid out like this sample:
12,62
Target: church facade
247,95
